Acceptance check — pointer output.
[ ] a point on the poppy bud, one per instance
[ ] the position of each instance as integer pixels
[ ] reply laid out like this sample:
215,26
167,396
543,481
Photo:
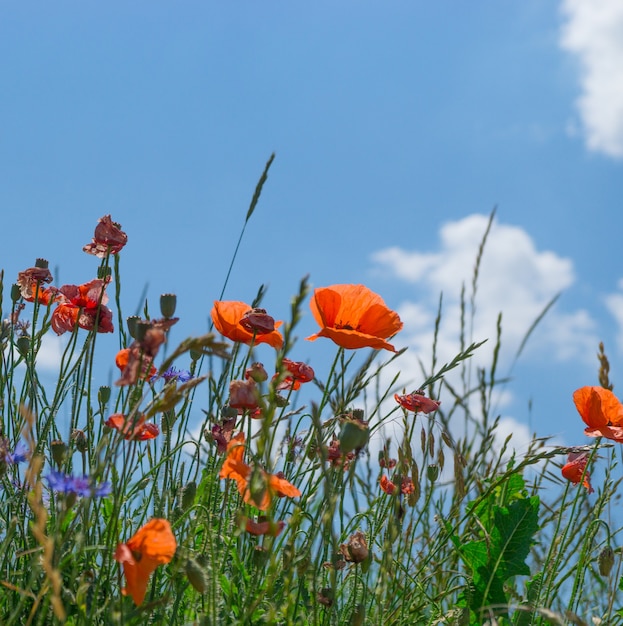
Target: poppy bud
168,302
103,395
80,440
16,292
103,272
59,451
353,436
257,321
606,561
195,574
432,472
132,321
23,345
256,372
195,355
189,491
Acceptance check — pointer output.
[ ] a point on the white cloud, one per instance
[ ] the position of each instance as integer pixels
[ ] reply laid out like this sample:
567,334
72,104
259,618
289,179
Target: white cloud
614,304
593,33
514,278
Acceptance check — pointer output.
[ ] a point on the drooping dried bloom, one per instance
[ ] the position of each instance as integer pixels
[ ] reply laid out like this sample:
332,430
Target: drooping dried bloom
221,433
31,284
133,429
271,485
356,550
243,394
601,410
574,470
296,373
227,317
83,305
354,317
256,372
108,237
257,322
417,402
154,544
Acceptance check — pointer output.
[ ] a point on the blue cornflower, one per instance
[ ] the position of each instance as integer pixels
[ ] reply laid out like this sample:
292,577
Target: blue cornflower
19,455
79,485
173,373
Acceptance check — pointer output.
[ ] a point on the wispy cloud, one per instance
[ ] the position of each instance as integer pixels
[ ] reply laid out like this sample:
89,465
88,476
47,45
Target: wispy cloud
593,32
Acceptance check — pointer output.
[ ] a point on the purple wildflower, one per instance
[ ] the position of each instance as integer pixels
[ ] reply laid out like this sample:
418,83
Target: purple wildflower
173,373
19,455
79,485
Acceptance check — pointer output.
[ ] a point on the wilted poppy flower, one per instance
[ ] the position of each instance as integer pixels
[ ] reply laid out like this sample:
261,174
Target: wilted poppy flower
337,457
154,544
387,485
243,394
356,550
353,317
134,429
126,357
227,316
601,411
83,305
417,402
257,322
264,527
108,238
221,433
573,470
270,485
31,284
296,372
256,372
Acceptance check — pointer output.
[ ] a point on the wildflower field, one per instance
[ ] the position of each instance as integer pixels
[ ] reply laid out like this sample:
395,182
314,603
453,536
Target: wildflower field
205,487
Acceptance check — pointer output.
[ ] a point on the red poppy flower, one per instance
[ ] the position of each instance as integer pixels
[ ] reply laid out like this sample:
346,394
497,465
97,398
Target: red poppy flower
264,527
417,402
83,305
227,317
108,238
353,317
297,372
31,284
573,470
154,544
243,394
601,411
133,429
387,485
236,469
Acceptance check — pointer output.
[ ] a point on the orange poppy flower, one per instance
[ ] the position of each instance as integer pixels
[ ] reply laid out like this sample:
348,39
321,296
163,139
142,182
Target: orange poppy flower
296,373
83,305
387,485
227,317
108,237
354,317
601,411
236,469
573,470
134,430
154,544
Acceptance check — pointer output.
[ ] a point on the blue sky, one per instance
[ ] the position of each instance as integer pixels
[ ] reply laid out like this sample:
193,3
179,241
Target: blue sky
397,127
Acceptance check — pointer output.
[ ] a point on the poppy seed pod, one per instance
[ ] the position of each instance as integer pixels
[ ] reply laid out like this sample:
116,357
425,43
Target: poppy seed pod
168,302
42,263
58,450
16,292
195,574
103,395
132,321
23,345
606,561
432,472
353,436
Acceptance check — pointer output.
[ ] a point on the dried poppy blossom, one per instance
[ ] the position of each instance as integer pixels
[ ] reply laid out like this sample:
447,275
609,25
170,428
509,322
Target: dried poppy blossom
227,316
296,372
574,470
154,544
264,526
337,457
221,433
356,550
133,429
354,317
125,355
601,411
31,282
257,322
108,238
270,485
83,305
417,402
256,372
387,485
243,394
